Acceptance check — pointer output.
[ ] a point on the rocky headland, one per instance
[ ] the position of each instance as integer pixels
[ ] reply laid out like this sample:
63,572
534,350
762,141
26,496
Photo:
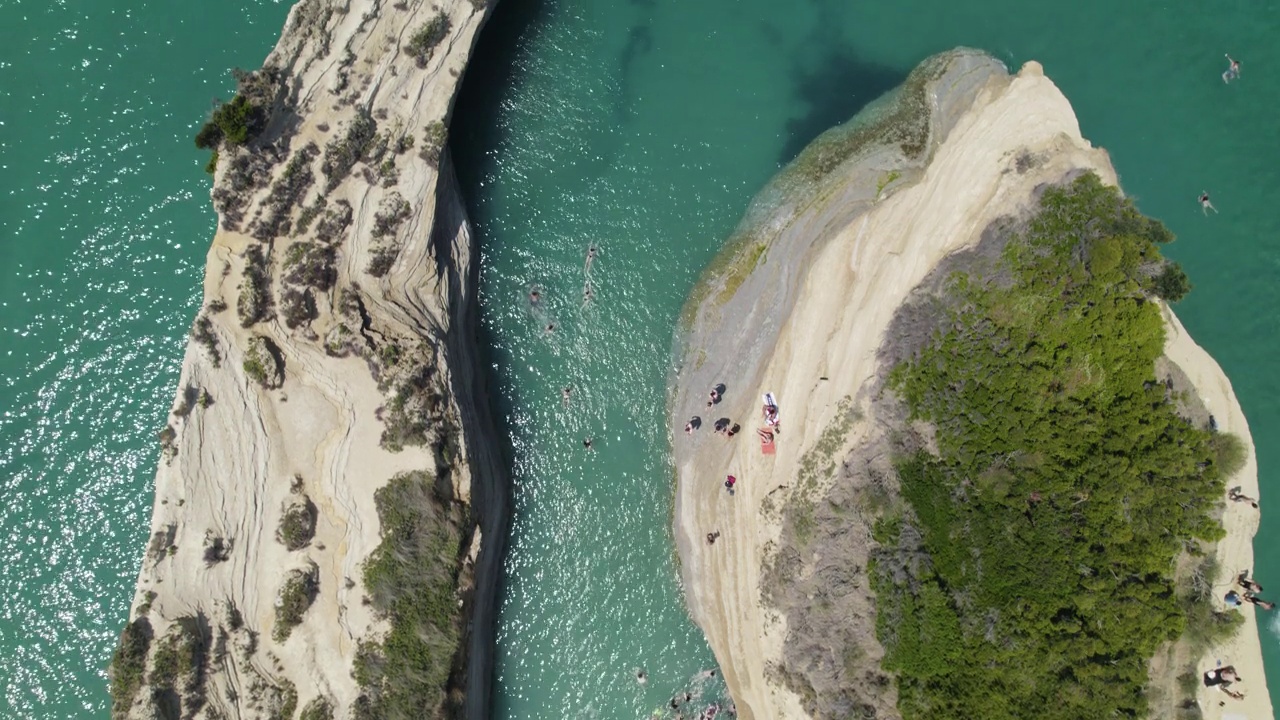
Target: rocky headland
837,293
329,513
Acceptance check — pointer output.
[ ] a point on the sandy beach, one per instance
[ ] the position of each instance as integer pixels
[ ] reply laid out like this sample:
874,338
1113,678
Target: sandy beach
1235,552
1017,133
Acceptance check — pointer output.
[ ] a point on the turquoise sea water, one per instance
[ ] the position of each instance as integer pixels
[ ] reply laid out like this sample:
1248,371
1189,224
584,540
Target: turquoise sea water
644,127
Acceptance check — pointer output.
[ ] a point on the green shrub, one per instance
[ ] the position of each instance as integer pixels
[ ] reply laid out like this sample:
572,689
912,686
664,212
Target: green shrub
255,299
262,363
297,524
212,166
433,140
1172,284
411,578
238,121
129,664
1032,576
1229,453
318,709
202,332
296,595
423,42
342,154
309,264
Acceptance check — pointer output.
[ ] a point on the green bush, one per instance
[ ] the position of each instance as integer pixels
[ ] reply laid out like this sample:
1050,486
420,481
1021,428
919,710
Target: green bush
318,709
433,140
411,578
1032,577
297,524
1172,284
296,595
255,293
1229,453
423,42
236,123
129,664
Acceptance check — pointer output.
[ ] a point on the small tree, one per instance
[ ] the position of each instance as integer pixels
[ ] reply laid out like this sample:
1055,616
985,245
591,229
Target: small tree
1172,283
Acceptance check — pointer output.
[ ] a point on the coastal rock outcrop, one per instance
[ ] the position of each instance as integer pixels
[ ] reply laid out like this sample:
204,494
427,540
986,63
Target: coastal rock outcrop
806,302
329,511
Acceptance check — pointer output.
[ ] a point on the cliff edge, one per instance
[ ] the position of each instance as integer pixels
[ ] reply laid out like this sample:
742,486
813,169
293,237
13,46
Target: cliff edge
329,514
801,573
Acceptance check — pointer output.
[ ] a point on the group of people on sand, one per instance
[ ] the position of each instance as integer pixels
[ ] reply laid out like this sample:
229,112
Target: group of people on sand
1223,677
1248,593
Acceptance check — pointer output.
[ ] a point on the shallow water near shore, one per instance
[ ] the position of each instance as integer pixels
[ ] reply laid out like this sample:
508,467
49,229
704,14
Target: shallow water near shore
644,127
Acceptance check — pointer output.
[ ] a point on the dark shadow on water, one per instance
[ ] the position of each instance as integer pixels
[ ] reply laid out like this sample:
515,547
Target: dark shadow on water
476,130
832,91
476,135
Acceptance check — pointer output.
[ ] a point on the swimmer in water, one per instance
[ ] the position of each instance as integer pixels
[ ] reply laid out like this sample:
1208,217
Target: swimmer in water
642,677
591,257
1205,205
551,327
1233,71
587,294
535,295
586,443
565,393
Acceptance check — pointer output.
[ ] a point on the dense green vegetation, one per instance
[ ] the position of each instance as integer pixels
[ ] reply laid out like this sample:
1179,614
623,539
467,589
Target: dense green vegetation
1033,575
411,579
129,663
235,122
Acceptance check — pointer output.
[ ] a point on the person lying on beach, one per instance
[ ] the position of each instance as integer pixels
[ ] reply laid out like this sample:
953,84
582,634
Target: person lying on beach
1205,205
711,540
715,397
694,423
733,430
1232,599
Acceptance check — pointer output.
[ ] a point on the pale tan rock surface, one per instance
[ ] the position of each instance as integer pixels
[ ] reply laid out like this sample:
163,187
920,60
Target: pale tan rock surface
831,270
240,453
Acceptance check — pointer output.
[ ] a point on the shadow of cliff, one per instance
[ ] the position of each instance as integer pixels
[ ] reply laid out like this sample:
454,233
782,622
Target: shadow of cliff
489,80
476,132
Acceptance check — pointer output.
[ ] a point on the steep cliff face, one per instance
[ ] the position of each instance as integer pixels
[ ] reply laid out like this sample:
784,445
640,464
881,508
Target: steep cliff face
802,304
329,518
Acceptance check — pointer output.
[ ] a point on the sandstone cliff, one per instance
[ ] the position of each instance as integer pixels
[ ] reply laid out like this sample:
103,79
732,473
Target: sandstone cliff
801,304
334,352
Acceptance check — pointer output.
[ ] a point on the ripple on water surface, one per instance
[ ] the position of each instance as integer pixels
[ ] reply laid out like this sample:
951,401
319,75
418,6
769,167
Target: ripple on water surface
104,228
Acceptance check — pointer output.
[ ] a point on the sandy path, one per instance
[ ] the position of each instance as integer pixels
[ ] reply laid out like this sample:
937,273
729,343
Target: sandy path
826,352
